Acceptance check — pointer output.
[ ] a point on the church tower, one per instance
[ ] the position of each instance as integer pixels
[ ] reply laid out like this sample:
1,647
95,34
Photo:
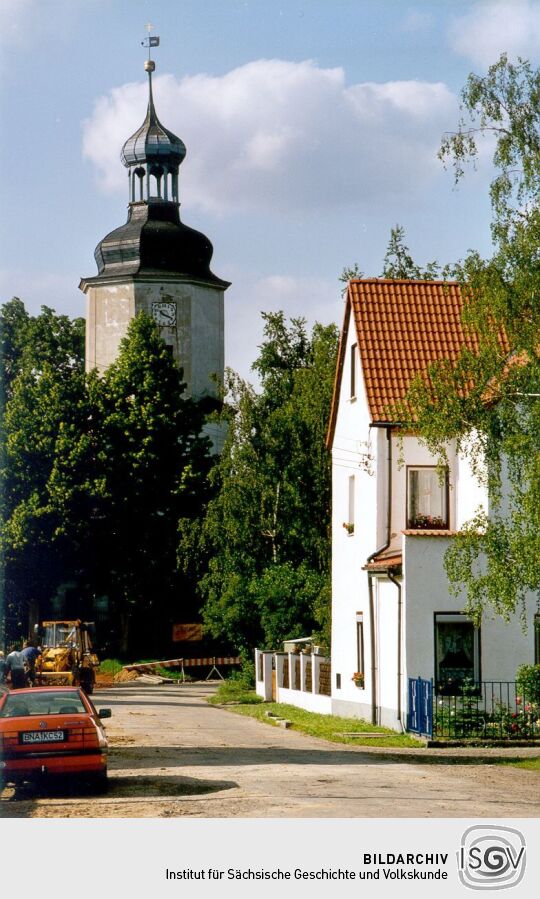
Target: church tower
156,264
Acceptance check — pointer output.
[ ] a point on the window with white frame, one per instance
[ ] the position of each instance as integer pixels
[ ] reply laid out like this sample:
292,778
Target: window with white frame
427,497
360,642
457,652
353,362
349,524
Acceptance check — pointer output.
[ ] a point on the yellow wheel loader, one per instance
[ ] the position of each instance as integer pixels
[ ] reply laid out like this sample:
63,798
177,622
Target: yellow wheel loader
66,656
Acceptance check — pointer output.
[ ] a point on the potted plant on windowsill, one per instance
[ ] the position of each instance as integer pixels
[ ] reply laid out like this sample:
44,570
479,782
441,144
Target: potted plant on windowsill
427,523
358,678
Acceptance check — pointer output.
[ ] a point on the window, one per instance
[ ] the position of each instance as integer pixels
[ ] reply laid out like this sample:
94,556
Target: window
350,520
338,681
354,355
537,639
360,643
457,652
427,498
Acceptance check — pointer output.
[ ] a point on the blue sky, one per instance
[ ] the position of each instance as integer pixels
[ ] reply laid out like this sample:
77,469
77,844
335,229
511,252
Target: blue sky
311,127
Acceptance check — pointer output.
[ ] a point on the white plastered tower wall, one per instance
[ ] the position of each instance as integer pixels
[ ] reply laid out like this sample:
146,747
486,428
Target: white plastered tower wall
196,338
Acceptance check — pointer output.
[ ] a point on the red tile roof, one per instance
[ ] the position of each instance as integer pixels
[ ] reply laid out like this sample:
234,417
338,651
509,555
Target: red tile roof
401,327
425,532
383,563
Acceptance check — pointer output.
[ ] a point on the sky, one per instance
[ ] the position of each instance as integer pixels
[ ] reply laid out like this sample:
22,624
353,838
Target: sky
312,128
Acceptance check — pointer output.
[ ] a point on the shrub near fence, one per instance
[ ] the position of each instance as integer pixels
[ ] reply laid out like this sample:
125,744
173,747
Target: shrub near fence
489,710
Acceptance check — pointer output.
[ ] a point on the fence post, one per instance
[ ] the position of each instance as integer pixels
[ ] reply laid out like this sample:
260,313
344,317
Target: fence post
280,660
292,672
315,672
303,666
263,665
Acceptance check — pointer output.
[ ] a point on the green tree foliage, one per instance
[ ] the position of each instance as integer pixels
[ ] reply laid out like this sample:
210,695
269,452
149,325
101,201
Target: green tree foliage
398,262
504,107
267,529
155,464
489,401
42,388
97,474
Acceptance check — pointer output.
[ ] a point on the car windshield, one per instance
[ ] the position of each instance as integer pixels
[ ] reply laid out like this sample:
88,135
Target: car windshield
20,705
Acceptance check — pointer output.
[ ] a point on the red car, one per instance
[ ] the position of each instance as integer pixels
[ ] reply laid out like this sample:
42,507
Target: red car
52,731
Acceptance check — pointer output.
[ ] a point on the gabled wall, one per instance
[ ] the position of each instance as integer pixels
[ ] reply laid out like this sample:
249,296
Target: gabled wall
355,452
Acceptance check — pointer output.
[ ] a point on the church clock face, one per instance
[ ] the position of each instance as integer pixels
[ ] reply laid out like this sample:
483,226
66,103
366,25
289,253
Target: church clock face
164,314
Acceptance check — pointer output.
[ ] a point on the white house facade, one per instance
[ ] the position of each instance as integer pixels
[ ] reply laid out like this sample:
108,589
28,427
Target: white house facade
394,516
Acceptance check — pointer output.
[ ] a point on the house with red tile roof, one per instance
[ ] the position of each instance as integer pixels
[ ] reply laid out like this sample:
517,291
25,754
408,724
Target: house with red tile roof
395,514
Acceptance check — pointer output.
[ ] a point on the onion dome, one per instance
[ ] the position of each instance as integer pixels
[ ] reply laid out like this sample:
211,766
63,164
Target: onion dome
154,241
152,142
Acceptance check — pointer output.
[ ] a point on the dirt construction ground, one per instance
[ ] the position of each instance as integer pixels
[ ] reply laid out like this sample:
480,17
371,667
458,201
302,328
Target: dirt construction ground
173,755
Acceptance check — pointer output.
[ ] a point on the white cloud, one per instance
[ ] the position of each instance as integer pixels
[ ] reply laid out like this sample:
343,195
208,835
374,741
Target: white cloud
274,135
315,299
490,28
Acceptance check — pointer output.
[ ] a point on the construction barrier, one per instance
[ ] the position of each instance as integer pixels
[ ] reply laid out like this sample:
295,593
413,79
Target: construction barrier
214,661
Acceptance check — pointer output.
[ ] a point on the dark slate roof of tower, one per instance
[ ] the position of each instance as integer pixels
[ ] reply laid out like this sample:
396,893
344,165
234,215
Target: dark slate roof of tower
152,142
155,241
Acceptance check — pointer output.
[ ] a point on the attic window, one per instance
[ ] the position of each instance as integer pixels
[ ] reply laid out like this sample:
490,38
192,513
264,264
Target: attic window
427,498
354,356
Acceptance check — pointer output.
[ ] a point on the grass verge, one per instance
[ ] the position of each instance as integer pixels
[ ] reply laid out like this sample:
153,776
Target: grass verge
326,727
529,764
234,690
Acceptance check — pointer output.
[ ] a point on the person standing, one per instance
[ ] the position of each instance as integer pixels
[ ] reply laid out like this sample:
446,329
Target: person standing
15,667
30,655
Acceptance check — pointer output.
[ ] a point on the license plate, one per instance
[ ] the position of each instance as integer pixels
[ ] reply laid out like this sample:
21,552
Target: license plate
43,736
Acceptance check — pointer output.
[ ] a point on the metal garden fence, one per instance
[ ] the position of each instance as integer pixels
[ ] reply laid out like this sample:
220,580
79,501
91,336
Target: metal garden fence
488,709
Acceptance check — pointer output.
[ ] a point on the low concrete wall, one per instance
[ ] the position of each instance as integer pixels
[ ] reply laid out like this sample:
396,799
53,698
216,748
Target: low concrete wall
311,702
301,671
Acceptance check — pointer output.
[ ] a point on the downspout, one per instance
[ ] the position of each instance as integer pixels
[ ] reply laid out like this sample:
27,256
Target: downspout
399,618
373,642
389,494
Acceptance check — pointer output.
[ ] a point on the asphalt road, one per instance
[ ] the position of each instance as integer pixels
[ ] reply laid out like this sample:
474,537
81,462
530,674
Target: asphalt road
173,755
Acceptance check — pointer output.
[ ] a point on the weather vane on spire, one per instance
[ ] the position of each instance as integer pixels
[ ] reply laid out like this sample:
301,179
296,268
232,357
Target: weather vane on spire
150,41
